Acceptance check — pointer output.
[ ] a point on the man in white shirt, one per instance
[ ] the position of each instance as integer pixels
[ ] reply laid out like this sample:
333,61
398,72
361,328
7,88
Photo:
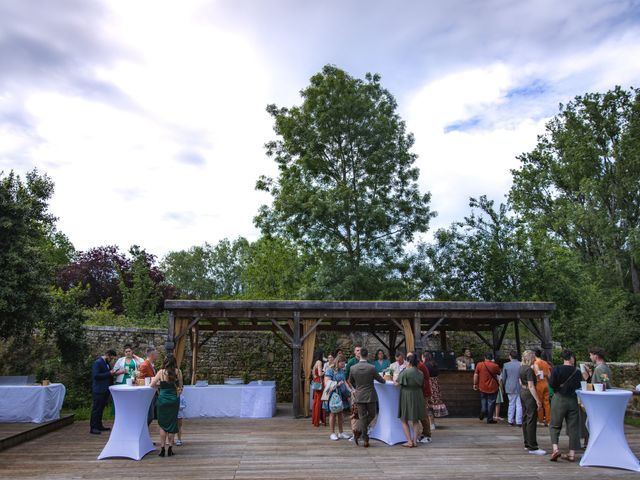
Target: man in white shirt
398,366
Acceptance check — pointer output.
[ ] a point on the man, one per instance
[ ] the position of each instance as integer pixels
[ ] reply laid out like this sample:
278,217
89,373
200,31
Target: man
425,437
466,359
147,369
542,370
398,366
601,373
485,379
511,380
101,377
363,374
353,360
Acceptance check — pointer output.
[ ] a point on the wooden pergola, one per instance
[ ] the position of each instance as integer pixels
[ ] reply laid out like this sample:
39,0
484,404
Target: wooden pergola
296,322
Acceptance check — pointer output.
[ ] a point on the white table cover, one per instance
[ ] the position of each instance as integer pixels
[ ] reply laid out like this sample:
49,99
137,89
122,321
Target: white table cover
31,403
388,427
130,435
607,446
247,401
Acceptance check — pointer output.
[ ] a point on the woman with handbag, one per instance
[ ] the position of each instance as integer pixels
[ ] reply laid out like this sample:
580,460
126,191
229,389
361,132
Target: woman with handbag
337,395
317,377
565,380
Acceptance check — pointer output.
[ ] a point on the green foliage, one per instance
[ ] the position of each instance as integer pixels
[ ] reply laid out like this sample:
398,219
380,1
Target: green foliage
65,321
347,189
207,272
140,300
26,269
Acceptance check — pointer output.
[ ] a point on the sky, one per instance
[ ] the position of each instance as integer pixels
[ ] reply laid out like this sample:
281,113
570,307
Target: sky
149,116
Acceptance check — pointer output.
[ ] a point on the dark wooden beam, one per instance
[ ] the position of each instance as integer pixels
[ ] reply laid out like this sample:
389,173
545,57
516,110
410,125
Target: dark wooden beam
295,353
188,329
432,329
282,330
380,340
311,330
516,328
487,342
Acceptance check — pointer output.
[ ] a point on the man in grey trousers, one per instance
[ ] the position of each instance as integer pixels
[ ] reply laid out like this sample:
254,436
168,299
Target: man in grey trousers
511,380
362,375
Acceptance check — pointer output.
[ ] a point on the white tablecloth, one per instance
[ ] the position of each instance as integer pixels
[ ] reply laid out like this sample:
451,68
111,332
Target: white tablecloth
388,428
607,446
248,401
31,403
130,435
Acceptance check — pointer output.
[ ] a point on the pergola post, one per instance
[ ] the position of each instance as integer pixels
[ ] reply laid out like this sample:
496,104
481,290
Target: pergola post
443,340
171,333
495,339
417,333
393,337
194,337
295,370
547,345
516,328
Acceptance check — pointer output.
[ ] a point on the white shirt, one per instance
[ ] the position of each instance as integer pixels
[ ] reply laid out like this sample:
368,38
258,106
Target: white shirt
398,369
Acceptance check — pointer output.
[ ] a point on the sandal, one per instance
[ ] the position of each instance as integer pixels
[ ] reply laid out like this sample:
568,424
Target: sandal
408,445
567,457
555,455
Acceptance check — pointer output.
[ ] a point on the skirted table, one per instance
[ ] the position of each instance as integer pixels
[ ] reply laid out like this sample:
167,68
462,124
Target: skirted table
245,401
31,403
388,428
607,446
130,435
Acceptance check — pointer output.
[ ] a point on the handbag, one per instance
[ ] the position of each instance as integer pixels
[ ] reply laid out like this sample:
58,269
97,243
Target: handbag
316,385
335,403
329,387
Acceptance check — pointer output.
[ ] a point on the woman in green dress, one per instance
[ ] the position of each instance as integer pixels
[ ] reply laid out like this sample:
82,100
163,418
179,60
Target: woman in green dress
411,406
169,378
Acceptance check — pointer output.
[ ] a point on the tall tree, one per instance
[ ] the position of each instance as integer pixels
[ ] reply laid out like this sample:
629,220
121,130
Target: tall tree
26,271
581,184
347,188
140,295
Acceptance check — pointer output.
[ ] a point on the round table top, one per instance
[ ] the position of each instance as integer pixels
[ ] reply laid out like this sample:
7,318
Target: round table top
611,392
124,388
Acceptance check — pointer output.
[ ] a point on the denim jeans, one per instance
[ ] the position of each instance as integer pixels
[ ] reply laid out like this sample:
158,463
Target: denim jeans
488,404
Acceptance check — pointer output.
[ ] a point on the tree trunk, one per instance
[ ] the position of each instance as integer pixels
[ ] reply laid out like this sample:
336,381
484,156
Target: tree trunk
635,277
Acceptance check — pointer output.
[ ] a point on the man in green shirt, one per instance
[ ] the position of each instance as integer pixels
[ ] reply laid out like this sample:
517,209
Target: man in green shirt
353,360
601,373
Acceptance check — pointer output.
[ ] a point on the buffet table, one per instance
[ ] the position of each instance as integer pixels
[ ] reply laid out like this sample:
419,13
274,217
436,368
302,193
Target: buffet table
130,435
31,403
388,428
245,401
607,446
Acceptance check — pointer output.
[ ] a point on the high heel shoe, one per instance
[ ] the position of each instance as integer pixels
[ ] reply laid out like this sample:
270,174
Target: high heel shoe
170,452
161,454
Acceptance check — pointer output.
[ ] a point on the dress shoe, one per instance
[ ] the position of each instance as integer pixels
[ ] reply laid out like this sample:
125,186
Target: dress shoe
481,416
356,436
161,454
95,431
491,420
104,429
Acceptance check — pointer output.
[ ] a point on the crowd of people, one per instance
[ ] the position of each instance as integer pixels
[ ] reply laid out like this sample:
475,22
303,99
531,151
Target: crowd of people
341,386
540,395
167,405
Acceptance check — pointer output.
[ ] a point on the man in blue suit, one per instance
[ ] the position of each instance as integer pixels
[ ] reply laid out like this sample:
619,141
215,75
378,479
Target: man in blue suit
101,376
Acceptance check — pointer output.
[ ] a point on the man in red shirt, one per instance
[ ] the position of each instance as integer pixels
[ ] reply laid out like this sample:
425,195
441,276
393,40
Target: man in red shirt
148,370
425,437
485,379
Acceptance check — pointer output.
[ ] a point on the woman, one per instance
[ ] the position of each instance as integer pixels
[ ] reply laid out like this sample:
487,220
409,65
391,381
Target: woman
437,408
382,362
169,378
130,363
317,377
499,400
411,406
338,374
326,365
565,380
530,403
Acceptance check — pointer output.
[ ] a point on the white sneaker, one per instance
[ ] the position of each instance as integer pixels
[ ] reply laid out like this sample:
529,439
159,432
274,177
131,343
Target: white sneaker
178,443
433,426
345,436
538,452
333,436
425,440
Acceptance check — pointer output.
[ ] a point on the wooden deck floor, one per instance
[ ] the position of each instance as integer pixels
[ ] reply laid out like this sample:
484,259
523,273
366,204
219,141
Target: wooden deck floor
284,448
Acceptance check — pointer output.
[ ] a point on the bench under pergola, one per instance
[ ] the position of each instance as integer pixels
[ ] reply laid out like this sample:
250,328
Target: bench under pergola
296,322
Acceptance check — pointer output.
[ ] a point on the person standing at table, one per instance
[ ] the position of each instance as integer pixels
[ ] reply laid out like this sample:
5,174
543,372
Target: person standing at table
565,380
411,405
530,403
317,384
466,359
353,360
542,369
511,380
381,362
398,366
130,363
425,436
485,379
101,377
601,373
362,375
169,379
148,370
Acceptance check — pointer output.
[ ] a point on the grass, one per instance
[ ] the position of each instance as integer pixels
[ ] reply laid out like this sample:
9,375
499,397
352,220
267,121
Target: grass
633,421
84,413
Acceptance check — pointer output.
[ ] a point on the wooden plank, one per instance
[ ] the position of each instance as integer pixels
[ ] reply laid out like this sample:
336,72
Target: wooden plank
12,434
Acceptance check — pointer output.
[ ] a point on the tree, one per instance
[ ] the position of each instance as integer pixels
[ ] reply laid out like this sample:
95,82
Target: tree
140,299
581,184
206,272
26,272
347,189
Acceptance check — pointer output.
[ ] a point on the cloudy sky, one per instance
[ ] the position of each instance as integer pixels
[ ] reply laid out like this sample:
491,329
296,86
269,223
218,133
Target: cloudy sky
149,115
